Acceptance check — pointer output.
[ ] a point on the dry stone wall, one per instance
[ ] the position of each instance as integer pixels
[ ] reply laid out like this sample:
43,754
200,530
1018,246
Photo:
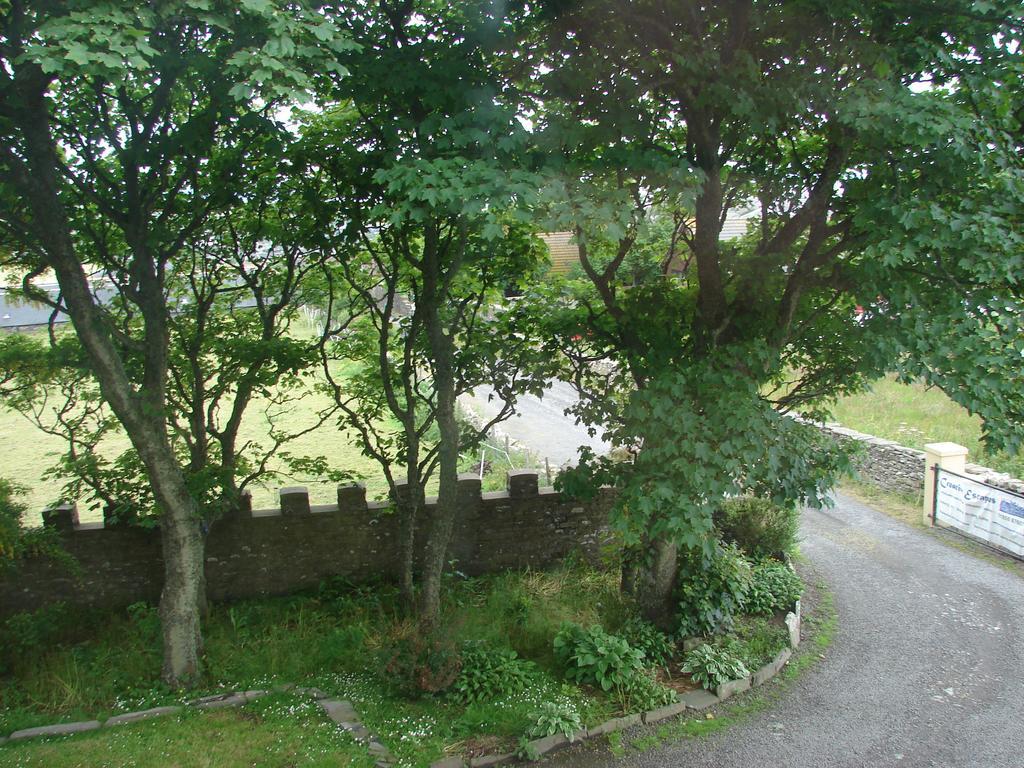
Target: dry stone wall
270,552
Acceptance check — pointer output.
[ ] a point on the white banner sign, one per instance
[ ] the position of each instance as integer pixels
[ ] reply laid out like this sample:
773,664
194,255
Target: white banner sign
994,516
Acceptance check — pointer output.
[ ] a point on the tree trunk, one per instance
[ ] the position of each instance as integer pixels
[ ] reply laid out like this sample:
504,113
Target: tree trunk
440,531
653,583
182,598
140,411
409,510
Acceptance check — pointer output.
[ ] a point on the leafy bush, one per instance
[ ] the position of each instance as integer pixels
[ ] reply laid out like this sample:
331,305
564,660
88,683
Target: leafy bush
773,587
29,632
756,641
658,648
18,542
595,657
643,692
758,526
712,590
710,666
422,664
490,673
552,718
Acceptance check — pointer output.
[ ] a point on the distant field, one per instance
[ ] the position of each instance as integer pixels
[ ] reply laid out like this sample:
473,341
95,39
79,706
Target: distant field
914,415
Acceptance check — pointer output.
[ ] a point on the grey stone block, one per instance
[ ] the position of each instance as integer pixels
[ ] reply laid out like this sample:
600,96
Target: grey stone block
782,658
315,693
615,724
284,688
449,762
548,744
664,713
253,695
341,712
132,717
725,690
699,699
764,674
60,729
793,625
219,702
376,749
487,761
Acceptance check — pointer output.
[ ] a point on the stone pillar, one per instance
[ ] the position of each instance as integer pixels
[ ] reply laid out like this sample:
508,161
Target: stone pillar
294,500
468,492
948,456
352,497
522,482
63,517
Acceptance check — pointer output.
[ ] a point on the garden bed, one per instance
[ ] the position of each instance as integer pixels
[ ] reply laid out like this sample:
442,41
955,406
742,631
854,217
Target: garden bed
516,680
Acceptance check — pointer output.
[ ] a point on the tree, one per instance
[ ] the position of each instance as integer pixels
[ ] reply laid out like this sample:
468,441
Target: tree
818,113
123,129
427,186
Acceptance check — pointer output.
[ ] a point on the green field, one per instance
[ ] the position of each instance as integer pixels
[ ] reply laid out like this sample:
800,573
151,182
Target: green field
913,415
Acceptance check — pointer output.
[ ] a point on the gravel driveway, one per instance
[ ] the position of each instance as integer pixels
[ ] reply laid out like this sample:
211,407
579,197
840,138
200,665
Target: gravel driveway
927,668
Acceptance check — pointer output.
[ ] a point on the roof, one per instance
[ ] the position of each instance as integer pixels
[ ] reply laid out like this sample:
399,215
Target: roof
562,251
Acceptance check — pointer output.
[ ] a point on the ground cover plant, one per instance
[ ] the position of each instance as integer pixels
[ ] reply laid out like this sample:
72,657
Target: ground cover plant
80,666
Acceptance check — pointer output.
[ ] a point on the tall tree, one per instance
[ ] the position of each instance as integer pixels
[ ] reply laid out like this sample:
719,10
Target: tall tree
822,115
427,180
123,128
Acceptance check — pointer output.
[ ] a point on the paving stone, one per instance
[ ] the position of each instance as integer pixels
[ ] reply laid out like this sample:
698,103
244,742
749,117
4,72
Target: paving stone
731,688
283,688
315,693
699,699
340,711
219,702
253,695
378,750
449,762
60,729
664,713
487,761
548,744
132,717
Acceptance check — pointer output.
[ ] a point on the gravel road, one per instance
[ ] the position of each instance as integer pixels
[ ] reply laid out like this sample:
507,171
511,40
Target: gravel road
926,668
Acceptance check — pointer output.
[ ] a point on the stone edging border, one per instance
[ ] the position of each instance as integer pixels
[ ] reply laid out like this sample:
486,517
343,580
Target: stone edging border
693,700
340,711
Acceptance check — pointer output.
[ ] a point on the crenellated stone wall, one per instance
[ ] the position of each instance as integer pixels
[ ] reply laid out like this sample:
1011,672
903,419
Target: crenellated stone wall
270,552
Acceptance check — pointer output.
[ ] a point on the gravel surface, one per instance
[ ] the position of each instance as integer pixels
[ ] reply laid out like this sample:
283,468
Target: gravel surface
541,424
925,670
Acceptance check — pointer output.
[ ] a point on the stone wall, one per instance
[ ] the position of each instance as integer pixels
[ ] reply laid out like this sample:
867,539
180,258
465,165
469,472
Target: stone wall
893,467
271,552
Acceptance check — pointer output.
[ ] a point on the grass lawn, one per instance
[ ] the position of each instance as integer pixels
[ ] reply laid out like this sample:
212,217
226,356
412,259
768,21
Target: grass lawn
913,415
275,732
68,668
56,666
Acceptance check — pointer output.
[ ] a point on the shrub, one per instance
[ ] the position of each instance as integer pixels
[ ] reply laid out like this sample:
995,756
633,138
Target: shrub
489,673
758,526
18,542
28,633
712,590
422,664
552,718
757,641
773,587
710,666
643,692
658,648
595,657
